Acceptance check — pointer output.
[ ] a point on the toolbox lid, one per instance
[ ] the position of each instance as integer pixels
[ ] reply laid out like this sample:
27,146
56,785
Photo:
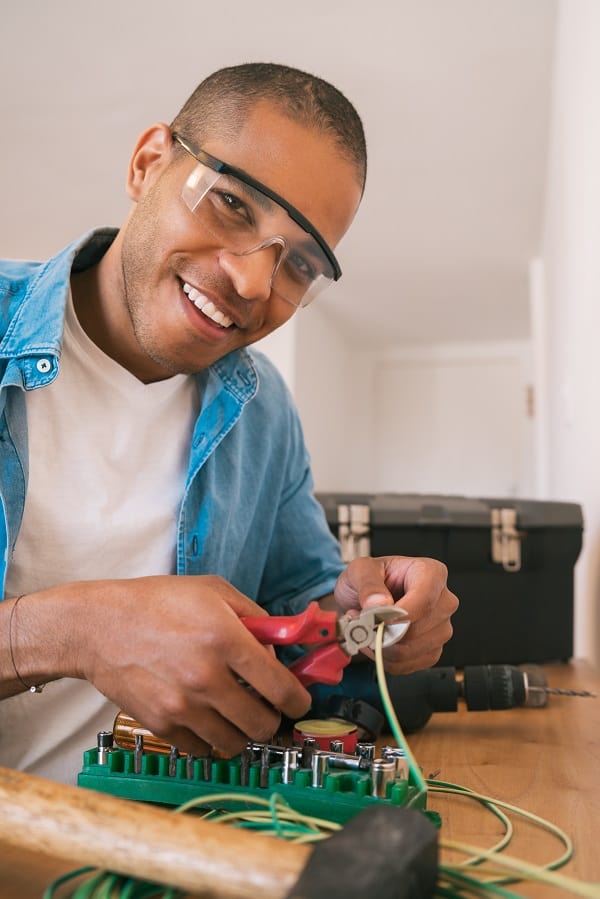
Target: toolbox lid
393,509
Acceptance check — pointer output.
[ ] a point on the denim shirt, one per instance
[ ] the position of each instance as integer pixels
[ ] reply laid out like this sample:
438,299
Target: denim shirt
248,512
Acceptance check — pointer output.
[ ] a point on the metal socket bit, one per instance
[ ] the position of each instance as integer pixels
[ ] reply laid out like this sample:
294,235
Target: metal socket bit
336,745
309,746
256,750
383,772
275,751
400,759
365,749
319,766
105,745
290,764
348,762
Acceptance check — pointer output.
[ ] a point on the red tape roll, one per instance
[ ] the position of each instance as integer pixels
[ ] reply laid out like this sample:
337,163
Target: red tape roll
324,730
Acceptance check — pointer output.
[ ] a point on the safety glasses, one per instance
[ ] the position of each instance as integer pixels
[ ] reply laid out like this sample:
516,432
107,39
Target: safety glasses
244,216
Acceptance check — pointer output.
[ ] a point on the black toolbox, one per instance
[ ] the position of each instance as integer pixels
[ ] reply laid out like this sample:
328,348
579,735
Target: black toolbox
510,562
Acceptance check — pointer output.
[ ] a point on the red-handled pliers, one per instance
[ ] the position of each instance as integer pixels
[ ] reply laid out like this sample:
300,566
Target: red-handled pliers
345,636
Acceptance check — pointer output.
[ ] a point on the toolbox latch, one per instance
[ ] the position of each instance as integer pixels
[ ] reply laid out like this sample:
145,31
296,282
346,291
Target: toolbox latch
506,539
354,531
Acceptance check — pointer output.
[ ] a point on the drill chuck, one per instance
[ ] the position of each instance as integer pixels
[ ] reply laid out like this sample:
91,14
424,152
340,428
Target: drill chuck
493,687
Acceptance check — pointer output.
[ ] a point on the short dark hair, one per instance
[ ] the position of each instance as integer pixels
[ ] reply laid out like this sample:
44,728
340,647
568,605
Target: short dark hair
224,99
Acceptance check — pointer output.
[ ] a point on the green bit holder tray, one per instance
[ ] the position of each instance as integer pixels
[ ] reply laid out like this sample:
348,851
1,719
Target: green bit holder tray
342,795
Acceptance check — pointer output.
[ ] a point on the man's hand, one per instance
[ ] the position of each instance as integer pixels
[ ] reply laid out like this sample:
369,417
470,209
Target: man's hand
418,586
171,651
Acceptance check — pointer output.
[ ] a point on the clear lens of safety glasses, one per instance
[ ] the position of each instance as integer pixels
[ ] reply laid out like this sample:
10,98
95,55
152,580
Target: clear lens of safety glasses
242,220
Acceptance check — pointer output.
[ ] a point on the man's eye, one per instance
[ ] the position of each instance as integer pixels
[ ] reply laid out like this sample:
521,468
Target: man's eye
300,267
231,205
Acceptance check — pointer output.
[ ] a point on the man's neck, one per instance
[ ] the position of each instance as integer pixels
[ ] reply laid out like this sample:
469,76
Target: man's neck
98,299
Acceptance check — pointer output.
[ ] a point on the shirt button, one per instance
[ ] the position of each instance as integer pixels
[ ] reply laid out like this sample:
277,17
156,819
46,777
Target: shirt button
43,365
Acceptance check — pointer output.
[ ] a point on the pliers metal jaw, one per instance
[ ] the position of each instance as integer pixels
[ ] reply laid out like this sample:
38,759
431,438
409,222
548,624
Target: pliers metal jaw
360,632
344,637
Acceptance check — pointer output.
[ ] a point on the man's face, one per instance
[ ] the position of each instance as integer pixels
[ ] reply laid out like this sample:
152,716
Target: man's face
186,303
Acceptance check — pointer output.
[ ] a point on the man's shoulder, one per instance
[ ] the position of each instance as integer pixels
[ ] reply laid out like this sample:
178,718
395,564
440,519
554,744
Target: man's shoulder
249,374
259,386
16,272
264,364
16,275
272,384
25,283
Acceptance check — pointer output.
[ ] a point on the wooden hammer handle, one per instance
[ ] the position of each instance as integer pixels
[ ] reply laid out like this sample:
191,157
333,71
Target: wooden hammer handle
144,841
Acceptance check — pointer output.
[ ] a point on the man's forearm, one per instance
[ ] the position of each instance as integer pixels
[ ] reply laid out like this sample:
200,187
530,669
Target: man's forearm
37,643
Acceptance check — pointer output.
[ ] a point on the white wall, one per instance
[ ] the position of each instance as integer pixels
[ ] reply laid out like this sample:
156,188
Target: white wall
453,419
571,260
361,410
435,418
280,347
326,385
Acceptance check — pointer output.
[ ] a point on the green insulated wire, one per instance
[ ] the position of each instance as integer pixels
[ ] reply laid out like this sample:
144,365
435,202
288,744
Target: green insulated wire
391,715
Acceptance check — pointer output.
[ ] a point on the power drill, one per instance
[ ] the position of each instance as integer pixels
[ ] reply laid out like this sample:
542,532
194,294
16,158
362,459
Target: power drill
415,697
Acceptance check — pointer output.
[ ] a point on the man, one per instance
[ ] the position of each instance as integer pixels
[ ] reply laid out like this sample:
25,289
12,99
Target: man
155,484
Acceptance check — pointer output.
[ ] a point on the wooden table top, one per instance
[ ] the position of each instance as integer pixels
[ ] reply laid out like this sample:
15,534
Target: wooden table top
543,760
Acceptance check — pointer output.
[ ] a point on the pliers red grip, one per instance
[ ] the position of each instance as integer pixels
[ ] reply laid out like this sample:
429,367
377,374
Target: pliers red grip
344,637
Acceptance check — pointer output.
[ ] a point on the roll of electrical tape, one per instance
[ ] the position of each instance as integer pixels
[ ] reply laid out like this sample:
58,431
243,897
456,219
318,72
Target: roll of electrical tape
324,730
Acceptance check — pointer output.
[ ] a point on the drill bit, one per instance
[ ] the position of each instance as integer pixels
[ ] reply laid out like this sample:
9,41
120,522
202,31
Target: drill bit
556,691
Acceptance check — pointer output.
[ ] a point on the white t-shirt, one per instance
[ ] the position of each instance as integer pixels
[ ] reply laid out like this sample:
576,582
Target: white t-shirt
108,458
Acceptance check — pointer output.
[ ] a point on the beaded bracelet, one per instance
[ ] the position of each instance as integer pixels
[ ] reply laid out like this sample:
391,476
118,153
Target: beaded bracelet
34,688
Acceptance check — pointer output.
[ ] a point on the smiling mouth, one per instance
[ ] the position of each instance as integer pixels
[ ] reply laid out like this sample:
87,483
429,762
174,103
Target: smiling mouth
207,307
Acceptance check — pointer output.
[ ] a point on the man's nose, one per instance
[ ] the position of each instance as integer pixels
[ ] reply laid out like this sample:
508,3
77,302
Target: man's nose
251,273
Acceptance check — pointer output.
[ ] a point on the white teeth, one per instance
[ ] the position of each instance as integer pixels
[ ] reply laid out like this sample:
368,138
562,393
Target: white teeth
207,307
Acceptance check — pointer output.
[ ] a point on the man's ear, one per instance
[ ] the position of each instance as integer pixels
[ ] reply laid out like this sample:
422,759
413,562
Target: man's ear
151,154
